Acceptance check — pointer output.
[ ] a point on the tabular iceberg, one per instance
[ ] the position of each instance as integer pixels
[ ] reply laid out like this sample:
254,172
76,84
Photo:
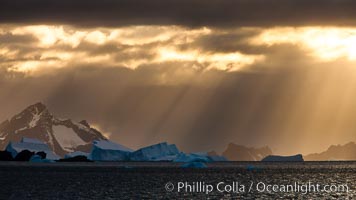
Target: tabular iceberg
158,152
273,158
105,150
32,145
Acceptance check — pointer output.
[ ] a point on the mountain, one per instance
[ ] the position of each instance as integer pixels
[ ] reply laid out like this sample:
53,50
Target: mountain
61,135
236,152
335,152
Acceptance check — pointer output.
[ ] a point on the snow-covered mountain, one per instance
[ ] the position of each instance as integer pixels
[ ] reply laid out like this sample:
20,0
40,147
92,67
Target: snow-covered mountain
61,135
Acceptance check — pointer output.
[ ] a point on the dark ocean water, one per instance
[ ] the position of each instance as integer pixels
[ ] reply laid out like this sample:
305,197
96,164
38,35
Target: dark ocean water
161,181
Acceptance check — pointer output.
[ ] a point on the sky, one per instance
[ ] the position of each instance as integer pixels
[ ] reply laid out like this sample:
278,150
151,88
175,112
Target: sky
197,73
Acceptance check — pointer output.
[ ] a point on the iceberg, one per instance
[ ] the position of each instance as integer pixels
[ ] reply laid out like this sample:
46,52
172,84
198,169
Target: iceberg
76,153
198,165
75,159
157,152
274,158
192,157
32,145
165,158
38,159
218,158
198,157
105,150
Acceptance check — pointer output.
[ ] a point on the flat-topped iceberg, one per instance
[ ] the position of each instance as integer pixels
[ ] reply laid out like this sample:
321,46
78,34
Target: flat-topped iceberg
32,145
274,158
105,150
158,152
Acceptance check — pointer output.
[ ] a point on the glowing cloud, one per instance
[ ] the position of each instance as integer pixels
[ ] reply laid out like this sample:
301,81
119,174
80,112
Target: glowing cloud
227,61
61,46
326,43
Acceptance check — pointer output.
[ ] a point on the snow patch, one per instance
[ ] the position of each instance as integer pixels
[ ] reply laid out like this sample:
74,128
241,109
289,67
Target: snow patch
67,138
18,117
35,118
50,138
3,135
81,126
21,129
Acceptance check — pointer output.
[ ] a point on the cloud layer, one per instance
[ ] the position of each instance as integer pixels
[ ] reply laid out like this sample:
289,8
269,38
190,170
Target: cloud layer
198,73
196,87
192,13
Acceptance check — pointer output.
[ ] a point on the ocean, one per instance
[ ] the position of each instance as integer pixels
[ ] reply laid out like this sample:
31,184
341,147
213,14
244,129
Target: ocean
165,180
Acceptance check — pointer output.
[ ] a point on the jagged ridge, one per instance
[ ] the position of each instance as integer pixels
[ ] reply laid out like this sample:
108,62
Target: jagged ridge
61,135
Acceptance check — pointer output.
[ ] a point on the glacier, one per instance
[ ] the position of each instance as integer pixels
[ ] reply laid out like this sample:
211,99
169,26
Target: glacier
105,150
157,152
30,144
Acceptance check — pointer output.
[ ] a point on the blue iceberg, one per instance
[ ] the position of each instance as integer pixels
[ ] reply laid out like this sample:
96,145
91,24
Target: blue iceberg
105,150
197,165
32,145
158,152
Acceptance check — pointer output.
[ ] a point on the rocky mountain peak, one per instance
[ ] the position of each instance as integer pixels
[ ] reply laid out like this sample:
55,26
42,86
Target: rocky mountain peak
61,135
37,108
85,123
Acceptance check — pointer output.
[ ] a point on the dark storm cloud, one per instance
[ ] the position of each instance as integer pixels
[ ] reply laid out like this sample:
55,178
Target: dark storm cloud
180,12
